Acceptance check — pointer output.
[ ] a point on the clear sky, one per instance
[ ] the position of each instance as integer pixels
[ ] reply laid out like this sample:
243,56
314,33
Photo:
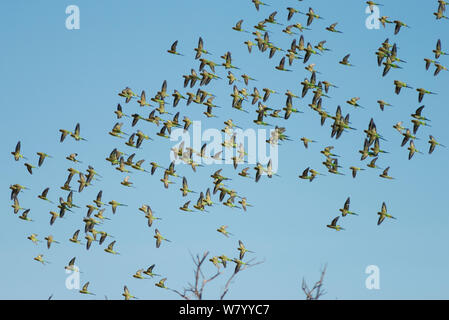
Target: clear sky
53,78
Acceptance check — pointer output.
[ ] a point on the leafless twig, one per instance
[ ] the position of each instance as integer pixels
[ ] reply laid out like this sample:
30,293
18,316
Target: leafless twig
317,291
196,289
237,270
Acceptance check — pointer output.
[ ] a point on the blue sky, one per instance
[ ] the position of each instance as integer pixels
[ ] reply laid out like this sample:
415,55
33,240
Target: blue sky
54,78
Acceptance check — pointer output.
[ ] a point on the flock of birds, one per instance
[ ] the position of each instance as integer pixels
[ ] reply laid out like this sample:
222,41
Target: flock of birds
242,100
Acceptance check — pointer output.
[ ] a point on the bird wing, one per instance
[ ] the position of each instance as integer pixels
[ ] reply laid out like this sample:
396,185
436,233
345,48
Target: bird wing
348,201
239,24
111,245
334,222
173,46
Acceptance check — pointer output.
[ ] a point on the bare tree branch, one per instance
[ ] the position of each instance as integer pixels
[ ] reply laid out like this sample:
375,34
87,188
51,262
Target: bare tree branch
182,295
196,290
237,270
317,290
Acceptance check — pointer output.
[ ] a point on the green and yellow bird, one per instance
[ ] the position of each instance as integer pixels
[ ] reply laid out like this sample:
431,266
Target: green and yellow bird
119,112
383,20
353,102
127,294
320,46
385,175
74,238
398,25
224,259
98,201
158,236
242,249
291,12
84,289
331,28
103,237
271,19
110,248
412,150
72,157
372,164
382,104
249,45
15,190
422,92
185,188
429,62
16,153
200,49
172,49
185,207
438,69
40,258
334,225
312,15
71,266
33,238
238,26
89,241
243,202
345,210
238,264
309,51
437,51
161,283
281,66
355,170
117,130
50,240
42,157
76,134
372,4
440,13
305,175
433,143
375,150
398,126
345,61
24,215
300,27
54,215
114,204
128,94
149,271
399,85
215,261
388,65
16,206
64,134
223,231
383,214
127,183
407,136
165,180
